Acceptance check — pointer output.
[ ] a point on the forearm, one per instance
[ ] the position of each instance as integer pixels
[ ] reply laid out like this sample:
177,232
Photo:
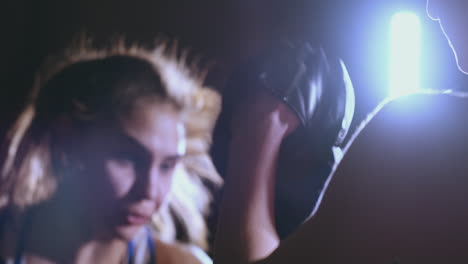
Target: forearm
247,230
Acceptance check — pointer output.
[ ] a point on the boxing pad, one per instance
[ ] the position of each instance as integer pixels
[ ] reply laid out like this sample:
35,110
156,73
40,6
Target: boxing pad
318,90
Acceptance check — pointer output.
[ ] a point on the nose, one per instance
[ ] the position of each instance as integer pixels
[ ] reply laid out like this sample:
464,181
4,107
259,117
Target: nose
431,10
150,185
150,188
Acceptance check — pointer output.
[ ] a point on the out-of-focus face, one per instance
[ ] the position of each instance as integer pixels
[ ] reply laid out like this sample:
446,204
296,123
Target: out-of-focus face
128,169
453,18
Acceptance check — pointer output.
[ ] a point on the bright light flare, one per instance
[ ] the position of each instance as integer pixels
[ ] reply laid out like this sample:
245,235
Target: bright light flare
405,45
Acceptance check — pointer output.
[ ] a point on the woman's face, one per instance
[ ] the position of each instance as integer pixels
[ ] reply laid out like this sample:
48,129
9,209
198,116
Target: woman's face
128,169
453,19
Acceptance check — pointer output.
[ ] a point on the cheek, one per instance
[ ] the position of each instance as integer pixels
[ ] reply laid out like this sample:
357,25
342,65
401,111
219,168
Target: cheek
101,188
117,179
455,26
452,15
108,184
165,188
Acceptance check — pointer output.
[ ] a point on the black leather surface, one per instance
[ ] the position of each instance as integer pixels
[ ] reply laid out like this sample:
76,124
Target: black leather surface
318,89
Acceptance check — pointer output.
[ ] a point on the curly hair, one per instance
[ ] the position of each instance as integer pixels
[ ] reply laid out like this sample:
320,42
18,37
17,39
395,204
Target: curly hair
29,174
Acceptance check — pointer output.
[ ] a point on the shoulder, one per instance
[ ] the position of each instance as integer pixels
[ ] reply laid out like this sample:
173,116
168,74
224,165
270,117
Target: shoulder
401,181
423,136
407,166
173,252
415,120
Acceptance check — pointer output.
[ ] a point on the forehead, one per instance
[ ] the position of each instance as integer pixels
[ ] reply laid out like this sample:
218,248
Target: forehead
155,126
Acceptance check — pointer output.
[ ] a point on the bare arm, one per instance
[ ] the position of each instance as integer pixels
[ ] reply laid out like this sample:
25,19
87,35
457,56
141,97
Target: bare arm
247,229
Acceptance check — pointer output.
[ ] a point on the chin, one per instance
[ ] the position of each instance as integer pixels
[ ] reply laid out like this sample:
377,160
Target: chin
462,64
127,233
464,70
462,61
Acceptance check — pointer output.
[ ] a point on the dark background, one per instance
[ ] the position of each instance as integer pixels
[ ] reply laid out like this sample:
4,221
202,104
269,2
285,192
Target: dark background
225,32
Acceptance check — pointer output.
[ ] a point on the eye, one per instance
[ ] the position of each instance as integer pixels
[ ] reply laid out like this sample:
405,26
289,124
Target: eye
124,158
169,164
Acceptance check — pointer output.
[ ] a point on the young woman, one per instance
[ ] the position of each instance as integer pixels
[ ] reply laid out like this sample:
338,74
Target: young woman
399,194
107,160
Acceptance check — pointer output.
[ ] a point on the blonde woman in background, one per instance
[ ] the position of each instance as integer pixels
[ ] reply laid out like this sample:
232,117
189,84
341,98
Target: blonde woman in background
107,159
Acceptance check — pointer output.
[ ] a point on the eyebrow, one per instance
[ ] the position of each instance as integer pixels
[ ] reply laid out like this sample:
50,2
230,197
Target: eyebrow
134,143
121,135
175,156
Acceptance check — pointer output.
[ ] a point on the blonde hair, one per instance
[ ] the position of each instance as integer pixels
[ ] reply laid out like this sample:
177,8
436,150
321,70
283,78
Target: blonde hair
28,175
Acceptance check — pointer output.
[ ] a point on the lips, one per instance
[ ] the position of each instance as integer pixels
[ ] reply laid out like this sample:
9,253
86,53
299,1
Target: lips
135,218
